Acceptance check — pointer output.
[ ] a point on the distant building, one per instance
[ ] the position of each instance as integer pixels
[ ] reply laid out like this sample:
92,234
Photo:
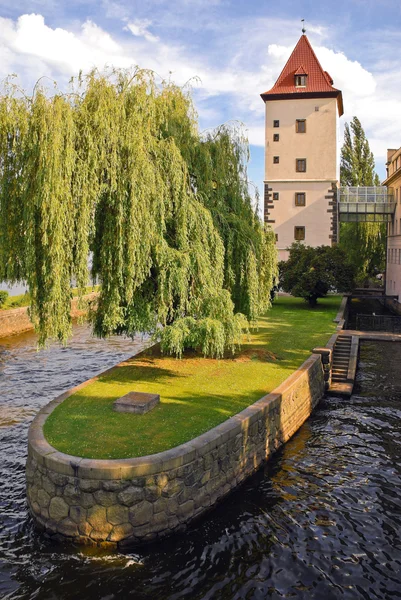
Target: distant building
393,268
301,152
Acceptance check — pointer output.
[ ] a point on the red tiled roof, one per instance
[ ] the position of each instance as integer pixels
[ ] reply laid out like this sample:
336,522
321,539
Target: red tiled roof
302,61
301,71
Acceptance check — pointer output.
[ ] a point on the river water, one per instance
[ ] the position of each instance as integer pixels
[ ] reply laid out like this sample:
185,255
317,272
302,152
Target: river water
321,520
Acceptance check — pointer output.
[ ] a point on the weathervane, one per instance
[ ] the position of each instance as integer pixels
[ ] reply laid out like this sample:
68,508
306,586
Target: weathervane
303,26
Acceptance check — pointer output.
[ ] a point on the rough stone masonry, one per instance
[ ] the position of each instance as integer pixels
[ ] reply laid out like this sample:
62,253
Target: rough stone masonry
129,501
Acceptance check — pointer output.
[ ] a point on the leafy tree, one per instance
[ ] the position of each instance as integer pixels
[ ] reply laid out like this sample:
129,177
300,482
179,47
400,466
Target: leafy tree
365,243
117,168
310,273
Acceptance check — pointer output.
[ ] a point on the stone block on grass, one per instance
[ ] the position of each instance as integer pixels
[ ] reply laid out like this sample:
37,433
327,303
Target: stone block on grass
136,402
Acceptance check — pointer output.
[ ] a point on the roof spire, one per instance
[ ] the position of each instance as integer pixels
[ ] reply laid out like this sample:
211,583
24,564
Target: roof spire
303,26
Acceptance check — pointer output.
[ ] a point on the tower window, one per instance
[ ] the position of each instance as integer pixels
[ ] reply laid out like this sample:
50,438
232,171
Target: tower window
299,234
300,165
300,80
300,199
275,196
276,237
276,160
300,125
276,137
276,123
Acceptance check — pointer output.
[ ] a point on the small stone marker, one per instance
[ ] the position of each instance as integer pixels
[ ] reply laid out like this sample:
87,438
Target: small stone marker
136,402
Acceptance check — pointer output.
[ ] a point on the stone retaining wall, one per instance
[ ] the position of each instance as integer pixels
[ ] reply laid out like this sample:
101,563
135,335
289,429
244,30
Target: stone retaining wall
127,501
16,320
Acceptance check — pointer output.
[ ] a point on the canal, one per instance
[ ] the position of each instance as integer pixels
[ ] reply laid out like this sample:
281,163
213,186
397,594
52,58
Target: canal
321,520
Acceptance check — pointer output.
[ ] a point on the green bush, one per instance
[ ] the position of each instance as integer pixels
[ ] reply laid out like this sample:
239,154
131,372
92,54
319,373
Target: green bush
3,297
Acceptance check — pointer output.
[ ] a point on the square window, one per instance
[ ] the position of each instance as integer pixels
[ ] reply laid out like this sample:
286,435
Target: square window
299,233
300,199
276,137
300,125
275,196
276,123
300,80
276,160
301,165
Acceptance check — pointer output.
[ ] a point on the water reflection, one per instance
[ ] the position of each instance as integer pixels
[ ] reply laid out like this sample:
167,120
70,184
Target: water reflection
321,520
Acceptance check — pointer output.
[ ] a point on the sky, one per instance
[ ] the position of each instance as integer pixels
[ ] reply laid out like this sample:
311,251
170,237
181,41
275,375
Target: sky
229,51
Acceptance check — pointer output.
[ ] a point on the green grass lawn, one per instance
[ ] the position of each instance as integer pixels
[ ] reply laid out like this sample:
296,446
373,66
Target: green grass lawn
196,393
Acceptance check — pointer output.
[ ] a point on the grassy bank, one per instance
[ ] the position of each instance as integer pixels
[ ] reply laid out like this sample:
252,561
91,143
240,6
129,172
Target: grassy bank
196,393
24,299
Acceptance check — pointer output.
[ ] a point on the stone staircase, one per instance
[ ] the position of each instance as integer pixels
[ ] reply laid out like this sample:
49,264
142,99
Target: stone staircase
340,381
341,355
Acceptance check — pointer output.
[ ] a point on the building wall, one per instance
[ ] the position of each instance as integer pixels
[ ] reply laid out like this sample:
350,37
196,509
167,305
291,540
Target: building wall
314,216
318,145
393,267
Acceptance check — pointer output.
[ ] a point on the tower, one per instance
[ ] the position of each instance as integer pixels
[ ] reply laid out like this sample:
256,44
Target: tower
301,152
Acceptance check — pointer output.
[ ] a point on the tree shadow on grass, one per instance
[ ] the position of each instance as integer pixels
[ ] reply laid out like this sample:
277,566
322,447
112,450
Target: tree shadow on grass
142,371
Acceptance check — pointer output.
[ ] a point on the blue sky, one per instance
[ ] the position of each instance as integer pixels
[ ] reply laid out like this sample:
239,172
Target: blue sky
237,49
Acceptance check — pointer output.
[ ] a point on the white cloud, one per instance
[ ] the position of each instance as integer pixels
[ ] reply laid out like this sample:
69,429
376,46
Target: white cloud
256,135
239,62
139,28
56,51
349,76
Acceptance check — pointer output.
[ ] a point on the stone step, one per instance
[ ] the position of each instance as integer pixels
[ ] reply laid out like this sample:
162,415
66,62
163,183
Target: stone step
341,388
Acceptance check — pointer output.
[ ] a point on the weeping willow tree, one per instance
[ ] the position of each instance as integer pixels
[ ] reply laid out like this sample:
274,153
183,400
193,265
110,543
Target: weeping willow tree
117,169
365,243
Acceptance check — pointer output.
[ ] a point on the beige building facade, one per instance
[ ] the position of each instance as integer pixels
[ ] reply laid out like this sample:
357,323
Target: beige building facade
301,152
393,267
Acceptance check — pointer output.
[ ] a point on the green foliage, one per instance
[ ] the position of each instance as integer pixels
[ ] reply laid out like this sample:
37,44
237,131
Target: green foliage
214,330
3,297
357,161
310,273
365,243
117,168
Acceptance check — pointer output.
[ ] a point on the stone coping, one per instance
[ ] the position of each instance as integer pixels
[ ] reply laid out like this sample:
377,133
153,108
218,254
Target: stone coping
378,336
128,468
341,310
342,313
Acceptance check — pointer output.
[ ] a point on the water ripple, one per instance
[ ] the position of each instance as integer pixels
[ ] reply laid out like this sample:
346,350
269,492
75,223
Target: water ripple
321,520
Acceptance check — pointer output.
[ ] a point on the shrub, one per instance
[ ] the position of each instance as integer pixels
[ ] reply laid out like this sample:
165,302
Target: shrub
3,297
